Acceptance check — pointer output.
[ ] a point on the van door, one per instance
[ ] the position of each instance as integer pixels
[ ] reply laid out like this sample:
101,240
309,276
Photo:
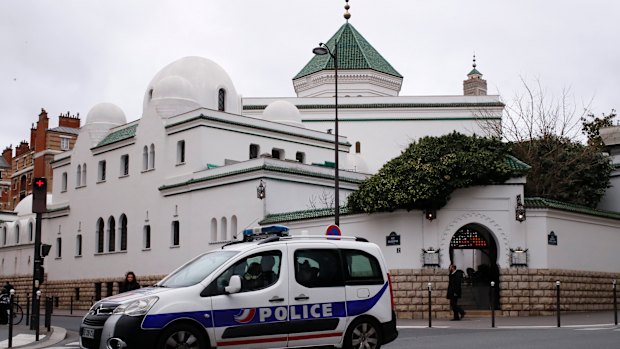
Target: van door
257,315
317,309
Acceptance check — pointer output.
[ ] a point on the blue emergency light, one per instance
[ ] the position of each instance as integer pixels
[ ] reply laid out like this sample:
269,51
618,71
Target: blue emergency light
263,232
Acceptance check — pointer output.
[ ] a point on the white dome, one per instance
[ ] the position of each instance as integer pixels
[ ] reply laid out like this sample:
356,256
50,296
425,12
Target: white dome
106,113
174,87
356,163
24,207
197,78
283,112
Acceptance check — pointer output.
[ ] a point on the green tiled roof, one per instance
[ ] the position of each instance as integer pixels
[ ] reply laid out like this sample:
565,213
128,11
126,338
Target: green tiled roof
517,164
474,72
537,202
354,52
384,105
301,215
119,135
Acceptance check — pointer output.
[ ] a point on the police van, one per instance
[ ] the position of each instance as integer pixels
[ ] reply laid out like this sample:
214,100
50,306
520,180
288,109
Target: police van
270,290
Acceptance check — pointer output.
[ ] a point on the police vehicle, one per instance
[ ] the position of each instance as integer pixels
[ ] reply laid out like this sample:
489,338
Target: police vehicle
270,290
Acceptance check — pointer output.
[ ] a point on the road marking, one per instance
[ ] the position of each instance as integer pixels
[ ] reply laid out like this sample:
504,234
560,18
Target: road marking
20,339
409,327
608,326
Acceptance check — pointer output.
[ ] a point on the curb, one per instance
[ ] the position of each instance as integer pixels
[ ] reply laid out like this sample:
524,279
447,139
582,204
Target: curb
54,336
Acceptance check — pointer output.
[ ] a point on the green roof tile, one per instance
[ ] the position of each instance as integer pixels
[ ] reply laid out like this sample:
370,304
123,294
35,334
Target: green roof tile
517,164
354,52
537,202
119,135
301,215
474,72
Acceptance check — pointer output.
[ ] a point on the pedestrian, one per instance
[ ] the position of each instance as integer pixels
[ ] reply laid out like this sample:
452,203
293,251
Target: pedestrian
130,283
6,289
4,303
454,292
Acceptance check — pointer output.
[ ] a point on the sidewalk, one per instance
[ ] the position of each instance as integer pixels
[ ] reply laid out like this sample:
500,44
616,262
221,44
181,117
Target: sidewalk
24,338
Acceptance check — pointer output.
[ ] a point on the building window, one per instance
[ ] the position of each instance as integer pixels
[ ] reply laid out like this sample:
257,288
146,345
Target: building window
78,176
125,165
145,158
277,153
221,100
254,151
213,229
223,229
78,245
111,234
30,232
64,143
123,223
58,247
147,237
4,236
83,183
301,157
152,157
180,152
175,233
63,185
100,230
101,173
17,233
233,227
358,147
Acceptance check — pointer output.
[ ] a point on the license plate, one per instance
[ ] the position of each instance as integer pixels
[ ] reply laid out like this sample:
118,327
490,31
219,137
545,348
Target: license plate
88,333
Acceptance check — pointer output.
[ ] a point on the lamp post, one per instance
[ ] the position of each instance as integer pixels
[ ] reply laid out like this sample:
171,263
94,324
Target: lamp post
323,49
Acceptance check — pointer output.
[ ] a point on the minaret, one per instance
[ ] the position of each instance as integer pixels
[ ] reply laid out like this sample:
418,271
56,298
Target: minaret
475,85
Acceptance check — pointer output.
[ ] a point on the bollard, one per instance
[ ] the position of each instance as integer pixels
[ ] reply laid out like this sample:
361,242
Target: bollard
557,286
71,306
430,318
493,304
35,320
48,312
615,305
11,294
28,309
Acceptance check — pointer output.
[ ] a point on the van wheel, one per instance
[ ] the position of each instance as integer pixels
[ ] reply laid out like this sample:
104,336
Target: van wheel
182,337
363,334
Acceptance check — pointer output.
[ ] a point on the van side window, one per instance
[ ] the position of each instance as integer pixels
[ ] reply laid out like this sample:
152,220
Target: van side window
318,268
362,268
256,271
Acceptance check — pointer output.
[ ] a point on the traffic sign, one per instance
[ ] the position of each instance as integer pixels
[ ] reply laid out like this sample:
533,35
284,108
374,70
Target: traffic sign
39,195
333,230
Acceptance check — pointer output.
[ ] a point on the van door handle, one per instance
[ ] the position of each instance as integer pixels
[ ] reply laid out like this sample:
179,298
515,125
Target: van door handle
302,297
275,299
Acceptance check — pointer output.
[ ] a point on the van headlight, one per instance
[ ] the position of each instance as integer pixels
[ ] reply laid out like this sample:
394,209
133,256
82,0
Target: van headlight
136,308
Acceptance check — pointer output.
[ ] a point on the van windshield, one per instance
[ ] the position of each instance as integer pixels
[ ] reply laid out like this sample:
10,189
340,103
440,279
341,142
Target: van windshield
196,270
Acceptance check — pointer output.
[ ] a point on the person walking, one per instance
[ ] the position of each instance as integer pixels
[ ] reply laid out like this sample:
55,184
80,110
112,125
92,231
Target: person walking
454,292
130,283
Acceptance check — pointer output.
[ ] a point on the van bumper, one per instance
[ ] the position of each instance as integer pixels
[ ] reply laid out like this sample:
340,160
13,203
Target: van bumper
390,332
129,330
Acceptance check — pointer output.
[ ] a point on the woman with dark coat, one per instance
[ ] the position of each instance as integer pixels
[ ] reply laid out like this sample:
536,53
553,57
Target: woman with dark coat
130,283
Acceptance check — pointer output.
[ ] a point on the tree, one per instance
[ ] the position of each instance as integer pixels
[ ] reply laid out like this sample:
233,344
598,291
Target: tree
591,126
428,171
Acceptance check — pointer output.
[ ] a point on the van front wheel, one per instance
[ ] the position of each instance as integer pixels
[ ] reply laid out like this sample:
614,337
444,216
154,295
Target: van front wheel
363,334
182,336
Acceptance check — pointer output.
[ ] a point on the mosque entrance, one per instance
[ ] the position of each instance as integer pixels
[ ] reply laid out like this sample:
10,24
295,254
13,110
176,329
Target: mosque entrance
474,251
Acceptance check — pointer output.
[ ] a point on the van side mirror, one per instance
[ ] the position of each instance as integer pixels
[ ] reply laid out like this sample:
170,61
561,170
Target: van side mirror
234,285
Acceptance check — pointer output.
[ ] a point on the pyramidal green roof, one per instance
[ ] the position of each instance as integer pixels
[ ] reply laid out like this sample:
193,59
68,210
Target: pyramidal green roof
474,72
354,52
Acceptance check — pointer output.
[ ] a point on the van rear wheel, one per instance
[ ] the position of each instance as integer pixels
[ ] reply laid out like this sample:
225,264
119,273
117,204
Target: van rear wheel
182,337
363,334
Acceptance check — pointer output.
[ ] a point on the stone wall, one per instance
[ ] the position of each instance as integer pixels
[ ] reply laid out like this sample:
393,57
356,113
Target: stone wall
523,292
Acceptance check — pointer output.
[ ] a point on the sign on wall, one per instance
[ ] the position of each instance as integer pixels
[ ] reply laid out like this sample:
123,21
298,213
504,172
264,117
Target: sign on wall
392,240
552,239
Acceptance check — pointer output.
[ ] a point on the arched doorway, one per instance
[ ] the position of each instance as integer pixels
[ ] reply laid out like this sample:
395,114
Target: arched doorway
474,251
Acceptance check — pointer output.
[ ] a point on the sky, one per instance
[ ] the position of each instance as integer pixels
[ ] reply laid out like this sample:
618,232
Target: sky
69,55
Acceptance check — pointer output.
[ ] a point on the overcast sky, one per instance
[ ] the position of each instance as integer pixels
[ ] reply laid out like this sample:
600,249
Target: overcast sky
68,55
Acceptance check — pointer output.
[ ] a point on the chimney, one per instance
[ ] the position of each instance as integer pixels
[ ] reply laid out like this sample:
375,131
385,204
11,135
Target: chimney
7,154
70,121
22,148
41,132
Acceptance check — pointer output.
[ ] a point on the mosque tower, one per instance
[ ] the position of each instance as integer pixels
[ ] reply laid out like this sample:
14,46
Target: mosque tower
475,85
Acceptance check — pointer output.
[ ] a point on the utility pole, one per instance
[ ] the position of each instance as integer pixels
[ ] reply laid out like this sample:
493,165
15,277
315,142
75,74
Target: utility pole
39,205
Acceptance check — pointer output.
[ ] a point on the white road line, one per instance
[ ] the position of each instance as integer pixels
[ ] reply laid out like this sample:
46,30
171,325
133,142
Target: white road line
408,327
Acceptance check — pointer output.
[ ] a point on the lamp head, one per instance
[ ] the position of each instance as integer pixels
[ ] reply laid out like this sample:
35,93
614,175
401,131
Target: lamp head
320,50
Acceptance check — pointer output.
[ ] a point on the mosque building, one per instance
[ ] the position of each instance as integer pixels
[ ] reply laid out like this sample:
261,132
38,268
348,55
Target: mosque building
203,163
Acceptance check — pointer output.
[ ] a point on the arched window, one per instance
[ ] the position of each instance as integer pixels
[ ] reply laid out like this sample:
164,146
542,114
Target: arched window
83,175
78,245
100,227
213,229
58,247
254,151
152,157
78,176
111,234
147,237
17,233
123,223
145,158
233,227
180,152
358,147
63,185
223,228
4,236
30,232
221,100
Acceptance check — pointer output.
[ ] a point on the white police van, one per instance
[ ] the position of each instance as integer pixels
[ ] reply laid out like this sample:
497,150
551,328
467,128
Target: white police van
264,292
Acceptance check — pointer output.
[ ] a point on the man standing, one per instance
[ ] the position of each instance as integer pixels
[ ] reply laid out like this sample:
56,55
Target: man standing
454,292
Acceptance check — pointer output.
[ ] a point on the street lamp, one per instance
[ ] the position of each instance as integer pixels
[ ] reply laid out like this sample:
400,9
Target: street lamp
323,49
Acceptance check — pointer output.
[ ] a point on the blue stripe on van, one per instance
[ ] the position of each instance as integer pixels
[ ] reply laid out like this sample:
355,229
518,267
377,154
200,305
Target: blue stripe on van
355,308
